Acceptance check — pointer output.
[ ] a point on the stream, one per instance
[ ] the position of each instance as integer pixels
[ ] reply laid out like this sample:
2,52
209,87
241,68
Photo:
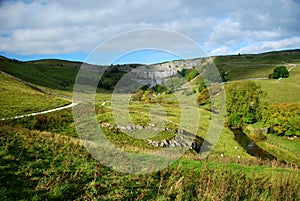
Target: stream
250,146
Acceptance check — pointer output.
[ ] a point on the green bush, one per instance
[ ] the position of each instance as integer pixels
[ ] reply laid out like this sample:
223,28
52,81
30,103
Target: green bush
188,74
243,103
280,71
203,97
201,87
282,119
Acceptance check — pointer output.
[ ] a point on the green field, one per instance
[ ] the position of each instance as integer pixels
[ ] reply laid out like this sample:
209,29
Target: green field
256,65
43,165
17,98
54,74
42,157
285,90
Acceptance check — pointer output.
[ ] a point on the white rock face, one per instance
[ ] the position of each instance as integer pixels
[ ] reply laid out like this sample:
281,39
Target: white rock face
153,74
160,73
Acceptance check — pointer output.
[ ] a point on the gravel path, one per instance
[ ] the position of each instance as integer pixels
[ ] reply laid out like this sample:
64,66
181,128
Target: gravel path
40,90
43,112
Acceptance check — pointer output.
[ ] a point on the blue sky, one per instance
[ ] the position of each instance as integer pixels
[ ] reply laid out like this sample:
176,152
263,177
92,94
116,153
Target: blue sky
72,29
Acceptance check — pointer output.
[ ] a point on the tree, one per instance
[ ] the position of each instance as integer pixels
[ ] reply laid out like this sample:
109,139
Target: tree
280,71
243,103
224,76
203,97
202,86
282,119
188,74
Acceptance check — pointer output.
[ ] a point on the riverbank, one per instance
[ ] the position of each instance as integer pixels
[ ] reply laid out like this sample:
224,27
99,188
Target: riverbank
258,143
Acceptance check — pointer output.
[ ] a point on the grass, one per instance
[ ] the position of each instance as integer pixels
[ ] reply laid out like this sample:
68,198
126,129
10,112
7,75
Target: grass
256,65
17,98
54,74
283,148
42,165
285,90
279,153
41,157
246,71
139,115
229,147
292,145
61,122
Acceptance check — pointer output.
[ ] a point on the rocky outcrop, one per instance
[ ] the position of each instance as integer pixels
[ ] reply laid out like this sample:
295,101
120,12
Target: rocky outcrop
158,73
182,138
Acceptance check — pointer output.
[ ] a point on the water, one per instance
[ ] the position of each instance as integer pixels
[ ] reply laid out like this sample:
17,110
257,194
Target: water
250,146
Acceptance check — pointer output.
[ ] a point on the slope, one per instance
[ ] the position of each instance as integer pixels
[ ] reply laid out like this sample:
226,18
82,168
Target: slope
54,74
17,98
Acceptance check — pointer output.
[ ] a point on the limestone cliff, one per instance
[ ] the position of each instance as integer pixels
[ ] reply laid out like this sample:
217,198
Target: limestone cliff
159,73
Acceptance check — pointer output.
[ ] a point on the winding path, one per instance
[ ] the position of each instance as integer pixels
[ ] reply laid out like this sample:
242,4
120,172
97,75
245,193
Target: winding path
40,90
43,112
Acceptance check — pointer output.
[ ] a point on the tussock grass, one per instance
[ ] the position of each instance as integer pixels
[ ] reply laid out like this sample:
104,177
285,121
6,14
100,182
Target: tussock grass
41,165
18,99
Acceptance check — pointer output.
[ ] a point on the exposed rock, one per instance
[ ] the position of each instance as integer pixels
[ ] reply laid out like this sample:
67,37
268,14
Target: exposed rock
158,73
105,125
183,138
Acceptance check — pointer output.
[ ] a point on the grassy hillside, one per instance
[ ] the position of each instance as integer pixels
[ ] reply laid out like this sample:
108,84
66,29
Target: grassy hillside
42,158
39,165
60,74
55,74
17,98
286,90
248,66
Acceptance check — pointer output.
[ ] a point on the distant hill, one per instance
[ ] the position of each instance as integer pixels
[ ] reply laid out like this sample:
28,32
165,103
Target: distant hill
247,66
61,74
55,74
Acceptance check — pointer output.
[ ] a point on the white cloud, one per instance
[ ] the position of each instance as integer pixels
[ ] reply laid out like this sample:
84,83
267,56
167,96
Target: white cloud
290,43
221,27
221,51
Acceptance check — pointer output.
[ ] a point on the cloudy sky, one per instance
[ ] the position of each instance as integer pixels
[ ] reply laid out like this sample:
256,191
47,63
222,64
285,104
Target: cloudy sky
71,29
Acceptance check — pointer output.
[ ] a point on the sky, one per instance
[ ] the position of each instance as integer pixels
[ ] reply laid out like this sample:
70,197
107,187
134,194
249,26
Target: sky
72,29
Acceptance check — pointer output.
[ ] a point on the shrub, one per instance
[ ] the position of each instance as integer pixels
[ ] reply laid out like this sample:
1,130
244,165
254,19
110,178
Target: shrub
203,97
243,103
280,71
282,119
188,74
201,87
